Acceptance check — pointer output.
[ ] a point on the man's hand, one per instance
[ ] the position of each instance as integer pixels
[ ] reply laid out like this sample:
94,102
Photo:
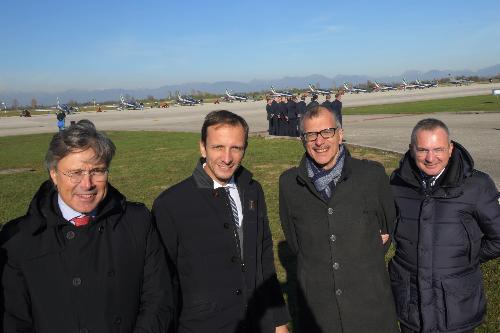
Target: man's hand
385,238
282,329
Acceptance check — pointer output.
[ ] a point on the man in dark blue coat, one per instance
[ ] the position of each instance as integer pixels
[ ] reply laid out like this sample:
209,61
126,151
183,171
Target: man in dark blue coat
215,228
448,223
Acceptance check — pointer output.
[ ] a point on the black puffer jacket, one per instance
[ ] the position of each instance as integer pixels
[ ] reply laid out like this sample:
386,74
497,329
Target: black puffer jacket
441,238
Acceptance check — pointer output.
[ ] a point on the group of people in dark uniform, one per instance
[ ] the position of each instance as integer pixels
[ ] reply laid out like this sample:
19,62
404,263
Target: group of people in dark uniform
284,113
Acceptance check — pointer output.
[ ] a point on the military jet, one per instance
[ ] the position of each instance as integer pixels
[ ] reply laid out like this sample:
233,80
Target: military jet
318,91
426,85
275,93
354,90
235,97
65,107
382,87
187,100
129,104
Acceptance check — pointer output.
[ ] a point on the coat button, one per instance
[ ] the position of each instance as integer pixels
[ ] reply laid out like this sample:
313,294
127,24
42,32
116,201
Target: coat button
243,268
101,229
70,235
77,282
336,265
111,273
330,211
118,321
338,292
237,291
226,225
333,238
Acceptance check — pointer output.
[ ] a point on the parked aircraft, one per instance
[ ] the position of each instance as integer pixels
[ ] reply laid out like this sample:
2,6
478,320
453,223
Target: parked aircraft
354,90
65,107
235,97
382,87
318,91
129,104
187,100
459,82
405,85
426,85
280,93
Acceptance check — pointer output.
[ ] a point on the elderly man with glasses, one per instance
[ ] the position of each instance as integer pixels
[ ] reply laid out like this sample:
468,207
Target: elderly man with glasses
337,213
83,258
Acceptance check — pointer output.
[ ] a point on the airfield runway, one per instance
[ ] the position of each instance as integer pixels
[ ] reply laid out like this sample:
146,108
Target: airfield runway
479,132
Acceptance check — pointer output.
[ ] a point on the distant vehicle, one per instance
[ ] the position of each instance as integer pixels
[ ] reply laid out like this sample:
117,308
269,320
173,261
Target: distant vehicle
187,100
4,106
382,87
25,113
65,107
318,91
275,93
129,104
235,97
354,90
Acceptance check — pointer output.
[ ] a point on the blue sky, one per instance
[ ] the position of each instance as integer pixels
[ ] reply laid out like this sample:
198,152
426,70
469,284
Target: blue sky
55,45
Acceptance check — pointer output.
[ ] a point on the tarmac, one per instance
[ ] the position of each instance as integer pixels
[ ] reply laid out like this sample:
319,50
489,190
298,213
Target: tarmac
478,132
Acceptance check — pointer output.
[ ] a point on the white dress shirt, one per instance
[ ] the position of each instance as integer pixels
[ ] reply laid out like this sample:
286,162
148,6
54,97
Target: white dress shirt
233,192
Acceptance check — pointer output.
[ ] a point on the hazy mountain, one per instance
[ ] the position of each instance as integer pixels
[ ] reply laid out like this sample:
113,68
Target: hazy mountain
288,82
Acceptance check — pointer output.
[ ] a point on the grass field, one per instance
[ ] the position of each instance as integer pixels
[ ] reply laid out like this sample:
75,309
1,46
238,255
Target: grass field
149,162
457,104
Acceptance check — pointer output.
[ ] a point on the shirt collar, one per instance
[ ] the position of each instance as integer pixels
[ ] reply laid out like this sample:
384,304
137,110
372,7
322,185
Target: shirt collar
67,212
230,184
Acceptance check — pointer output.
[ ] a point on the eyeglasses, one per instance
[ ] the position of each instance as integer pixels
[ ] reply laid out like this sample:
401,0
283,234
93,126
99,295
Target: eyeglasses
327,133
97,174
436,151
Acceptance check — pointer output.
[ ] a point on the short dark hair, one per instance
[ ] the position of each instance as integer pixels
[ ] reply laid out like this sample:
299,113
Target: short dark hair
428,124
223,117
79,136
313,112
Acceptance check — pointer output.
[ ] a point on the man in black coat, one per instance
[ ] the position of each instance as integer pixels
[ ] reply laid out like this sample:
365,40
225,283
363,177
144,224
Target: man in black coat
448,223
283,117
83,259
270,115
336,106
215,228
313,102
337,213
275,120
291,107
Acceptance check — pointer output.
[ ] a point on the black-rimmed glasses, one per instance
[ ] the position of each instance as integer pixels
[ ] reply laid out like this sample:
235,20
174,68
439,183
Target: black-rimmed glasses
326,133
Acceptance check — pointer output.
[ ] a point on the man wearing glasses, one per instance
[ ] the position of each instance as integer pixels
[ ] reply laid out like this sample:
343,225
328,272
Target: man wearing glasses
83,259
337,213
448,223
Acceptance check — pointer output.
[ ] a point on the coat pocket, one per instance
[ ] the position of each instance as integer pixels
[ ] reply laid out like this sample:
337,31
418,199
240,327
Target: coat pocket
400,284
465,303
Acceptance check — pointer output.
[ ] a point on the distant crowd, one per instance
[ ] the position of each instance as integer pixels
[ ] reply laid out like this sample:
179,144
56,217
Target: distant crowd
284,112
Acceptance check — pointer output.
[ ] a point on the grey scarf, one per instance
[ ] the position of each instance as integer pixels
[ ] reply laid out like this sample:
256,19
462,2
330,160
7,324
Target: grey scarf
325,180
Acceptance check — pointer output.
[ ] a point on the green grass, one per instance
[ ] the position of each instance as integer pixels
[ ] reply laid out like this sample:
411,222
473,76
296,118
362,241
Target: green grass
481,103
149,162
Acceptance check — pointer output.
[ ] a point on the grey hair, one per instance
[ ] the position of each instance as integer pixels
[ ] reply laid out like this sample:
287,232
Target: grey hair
313,112
428,124
79,136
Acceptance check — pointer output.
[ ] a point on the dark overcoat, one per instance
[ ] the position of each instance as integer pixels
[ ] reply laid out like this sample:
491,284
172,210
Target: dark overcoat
442,235
219,291
109,276
341,271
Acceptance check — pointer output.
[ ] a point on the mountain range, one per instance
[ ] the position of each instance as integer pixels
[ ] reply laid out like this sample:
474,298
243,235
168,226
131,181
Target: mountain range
288,82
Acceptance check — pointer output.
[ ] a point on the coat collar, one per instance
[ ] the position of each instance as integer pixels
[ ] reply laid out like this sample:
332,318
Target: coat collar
460,166
242,177
303,177
44,211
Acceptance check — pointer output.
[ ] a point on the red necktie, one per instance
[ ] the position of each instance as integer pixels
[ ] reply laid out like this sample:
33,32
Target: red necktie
81,220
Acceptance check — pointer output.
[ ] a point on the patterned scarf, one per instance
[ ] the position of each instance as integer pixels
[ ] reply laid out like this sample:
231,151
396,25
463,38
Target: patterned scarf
325,180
